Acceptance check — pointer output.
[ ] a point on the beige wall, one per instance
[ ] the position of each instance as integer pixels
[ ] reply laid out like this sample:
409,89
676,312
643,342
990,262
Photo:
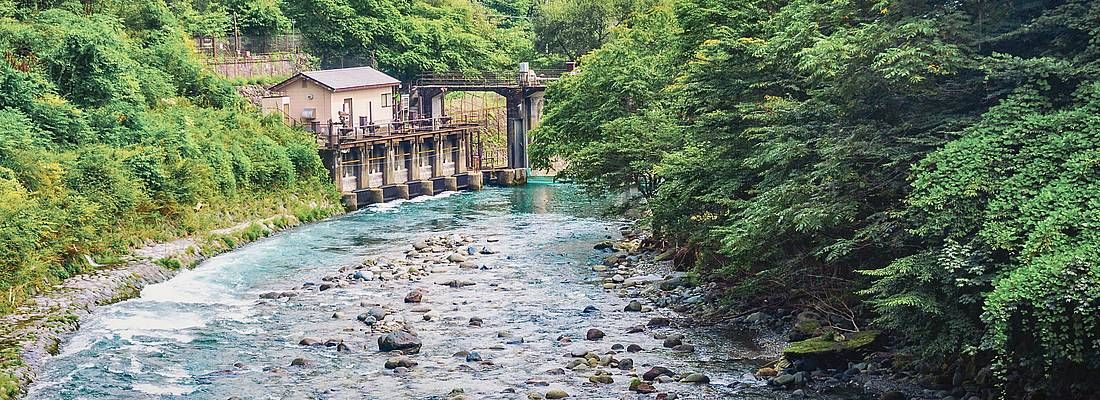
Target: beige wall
364,103
299,100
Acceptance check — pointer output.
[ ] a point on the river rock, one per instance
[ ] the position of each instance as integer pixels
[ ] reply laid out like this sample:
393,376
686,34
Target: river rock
671,283
473,356
673,340
363,275
684,348
756,317
487,250
299,362
310,342
634,306
635,329
590,309
456,258
476,321
404,341
604,379
377,313
626,364
420,245
456,283
414,296
783,380
658,322
654,372
633,348
640,280
695,378
395,362
594,334
468,265
641,387
556,394
343,348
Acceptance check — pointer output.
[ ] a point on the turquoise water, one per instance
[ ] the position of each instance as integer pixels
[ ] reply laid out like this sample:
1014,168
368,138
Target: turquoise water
205,334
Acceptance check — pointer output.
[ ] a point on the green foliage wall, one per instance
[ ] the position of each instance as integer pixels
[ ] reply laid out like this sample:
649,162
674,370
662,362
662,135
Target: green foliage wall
406,38
113,134
931,163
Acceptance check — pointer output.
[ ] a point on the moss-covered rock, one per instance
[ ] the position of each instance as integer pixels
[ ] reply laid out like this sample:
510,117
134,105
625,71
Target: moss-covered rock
826,345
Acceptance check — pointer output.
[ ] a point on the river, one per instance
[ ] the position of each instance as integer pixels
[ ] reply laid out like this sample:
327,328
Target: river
205,334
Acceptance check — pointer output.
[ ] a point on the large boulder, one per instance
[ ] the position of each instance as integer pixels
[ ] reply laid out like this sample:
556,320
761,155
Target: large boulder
403,341
832,349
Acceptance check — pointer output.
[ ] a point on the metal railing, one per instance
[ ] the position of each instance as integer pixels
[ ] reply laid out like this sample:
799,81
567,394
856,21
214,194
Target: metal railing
458,80
333,134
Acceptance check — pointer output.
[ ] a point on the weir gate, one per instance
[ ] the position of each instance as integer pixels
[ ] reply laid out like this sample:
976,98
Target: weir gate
426,151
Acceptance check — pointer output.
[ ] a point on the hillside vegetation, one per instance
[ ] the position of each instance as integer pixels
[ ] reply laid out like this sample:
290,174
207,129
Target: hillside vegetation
930,165
113,135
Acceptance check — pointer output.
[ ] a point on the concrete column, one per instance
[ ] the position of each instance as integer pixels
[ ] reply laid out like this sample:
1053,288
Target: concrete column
421,188
437,165
450,183
506,177
521,177
517,129
402,191
461,164
363,180
351,201
374,196
414,170
338,170
475,180
388,165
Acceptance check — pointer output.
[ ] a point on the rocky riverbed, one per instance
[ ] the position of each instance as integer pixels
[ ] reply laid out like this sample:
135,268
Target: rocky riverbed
496,294
458,322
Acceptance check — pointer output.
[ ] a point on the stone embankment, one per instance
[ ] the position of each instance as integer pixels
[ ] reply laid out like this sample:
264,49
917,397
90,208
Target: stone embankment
34,332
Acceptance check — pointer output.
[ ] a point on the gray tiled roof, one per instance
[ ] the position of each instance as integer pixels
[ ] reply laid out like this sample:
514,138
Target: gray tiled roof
346,78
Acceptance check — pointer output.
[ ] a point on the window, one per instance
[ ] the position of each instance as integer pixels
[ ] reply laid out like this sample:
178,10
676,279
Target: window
385,99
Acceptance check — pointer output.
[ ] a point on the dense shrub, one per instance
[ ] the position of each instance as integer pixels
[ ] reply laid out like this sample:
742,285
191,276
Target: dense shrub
112,134
939,159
